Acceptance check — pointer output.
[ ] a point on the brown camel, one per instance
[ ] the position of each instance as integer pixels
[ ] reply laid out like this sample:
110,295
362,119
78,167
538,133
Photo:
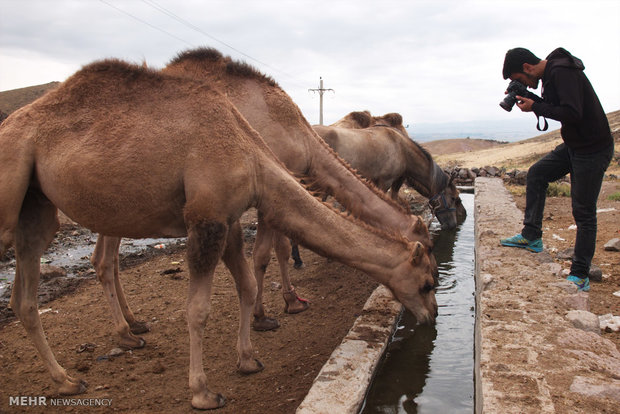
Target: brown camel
130,152
273,114
380,149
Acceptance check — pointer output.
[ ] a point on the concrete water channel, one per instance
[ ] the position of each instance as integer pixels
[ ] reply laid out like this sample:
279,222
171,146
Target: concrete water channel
520,351
417,369
429,369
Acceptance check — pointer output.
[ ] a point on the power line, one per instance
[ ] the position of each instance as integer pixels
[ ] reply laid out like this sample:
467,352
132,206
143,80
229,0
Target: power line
145,22
184,22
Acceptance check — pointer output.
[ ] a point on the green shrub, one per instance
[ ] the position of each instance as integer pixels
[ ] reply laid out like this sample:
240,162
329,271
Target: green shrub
614,197
558,190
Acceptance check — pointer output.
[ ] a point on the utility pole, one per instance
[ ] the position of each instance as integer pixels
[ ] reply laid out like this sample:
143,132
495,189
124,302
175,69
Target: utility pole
320,91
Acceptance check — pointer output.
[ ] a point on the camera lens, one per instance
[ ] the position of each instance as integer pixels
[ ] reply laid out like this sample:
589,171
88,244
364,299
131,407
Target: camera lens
508,102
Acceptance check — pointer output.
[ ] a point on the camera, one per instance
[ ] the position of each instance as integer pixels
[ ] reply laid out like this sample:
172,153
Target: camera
516,88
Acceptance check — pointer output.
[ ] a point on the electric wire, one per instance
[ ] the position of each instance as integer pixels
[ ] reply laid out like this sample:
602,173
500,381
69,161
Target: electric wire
184,22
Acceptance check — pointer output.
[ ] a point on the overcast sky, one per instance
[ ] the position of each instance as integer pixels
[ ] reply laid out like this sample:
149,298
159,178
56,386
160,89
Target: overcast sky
431,61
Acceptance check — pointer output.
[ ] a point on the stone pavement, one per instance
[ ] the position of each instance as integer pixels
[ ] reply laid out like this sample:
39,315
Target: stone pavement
536,350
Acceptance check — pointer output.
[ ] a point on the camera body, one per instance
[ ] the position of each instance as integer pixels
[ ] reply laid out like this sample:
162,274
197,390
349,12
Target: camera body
516,88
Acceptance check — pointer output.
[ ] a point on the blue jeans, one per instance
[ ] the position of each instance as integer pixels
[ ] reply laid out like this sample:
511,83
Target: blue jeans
586,177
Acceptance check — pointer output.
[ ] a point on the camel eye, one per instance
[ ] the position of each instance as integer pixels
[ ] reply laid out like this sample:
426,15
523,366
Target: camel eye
427,287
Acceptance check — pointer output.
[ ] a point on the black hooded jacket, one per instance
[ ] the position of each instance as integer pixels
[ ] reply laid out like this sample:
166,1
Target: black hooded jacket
569,98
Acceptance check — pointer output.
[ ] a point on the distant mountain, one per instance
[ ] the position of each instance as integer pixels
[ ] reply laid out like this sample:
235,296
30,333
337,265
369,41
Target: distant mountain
510,130
14,99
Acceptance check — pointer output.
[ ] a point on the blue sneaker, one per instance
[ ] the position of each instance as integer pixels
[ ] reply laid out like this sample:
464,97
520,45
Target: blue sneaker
582,284
535,246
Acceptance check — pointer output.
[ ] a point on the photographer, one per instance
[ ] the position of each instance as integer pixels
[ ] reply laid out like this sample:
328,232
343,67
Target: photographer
568,97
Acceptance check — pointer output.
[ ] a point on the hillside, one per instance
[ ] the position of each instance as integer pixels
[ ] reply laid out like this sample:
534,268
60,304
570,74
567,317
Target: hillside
471,153
464,152
16,98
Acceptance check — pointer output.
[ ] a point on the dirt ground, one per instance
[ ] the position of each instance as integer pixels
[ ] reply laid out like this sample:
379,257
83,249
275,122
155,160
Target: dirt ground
556,221
155,379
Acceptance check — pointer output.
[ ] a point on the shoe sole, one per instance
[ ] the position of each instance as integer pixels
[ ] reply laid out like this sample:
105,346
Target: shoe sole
523,246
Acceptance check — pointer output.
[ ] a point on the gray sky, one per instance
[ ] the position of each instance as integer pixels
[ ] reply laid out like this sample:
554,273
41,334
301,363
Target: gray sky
431,61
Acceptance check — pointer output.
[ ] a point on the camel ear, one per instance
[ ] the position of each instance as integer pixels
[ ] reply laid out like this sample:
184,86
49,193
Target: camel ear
393,118
418,252
362,118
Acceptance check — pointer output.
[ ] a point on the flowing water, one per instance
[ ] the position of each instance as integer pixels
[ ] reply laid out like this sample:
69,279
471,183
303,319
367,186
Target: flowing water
430,369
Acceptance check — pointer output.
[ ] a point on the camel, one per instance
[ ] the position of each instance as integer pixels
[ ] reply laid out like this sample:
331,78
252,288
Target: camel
281,124
127,151
380,149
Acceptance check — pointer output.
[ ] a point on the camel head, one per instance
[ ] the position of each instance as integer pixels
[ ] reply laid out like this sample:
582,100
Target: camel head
354,120
418,231
447,205
393,119
414,285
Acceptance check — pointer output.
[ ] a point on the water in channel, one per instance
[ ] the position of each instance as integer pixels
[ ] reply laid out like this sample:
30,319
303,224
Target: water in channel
429,369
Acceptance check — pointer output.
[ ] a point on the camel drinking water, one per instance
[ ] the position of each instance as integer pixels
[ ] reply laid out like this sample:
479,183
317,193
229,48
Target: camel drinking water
381,150
130,152
281,124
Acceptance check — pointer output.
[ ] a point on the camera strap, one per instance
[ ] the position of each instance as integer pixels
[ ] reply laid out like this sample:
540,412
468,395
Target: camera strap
545,125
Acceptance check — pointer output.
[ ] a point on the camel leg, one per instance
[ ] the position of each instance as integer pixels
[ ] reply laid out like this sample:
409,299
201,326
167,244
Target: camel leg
38,222
136,327
293,303
205,245
246,289
395,187
261,256
296,257
104,260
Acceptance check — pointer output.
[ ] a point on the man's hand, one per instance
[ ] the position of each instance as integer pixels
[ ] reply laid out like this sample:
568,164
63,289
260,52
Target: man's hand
524,104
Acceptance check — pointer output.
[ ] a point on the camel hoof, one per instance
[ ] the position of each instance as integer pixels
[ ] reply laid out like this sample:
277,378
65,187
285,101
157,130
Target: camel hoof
252,368
294,304
265,323
132,343
210,401
73,387
138,327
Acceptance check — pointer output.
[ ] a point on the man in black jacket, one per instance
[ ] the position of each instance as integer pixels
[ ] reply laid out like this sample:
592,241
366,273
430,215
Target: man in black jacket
587,149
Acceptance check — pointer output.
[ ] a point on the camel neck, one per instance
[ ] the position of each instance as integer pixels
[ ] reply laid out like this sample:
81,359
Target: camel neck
322,229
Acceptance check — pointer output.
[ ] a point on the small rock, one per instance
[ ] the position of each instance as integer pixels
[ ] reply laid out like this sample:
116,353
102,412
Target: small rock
584,320
609,322
593,388
487,279
50,272
116,352
88,346
544,257
566,254
275,286
596,274
102,387
579,301
554,268
613,245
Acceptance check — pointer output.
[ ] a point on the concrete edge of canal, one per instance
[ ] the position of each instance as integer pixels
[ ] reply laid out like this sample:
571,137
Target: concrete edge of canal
527,354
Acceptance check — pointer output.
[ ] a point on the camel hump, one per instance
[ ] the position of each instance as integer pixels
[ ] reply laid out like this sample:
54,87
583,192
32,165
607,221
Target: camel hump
392,119
200,54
